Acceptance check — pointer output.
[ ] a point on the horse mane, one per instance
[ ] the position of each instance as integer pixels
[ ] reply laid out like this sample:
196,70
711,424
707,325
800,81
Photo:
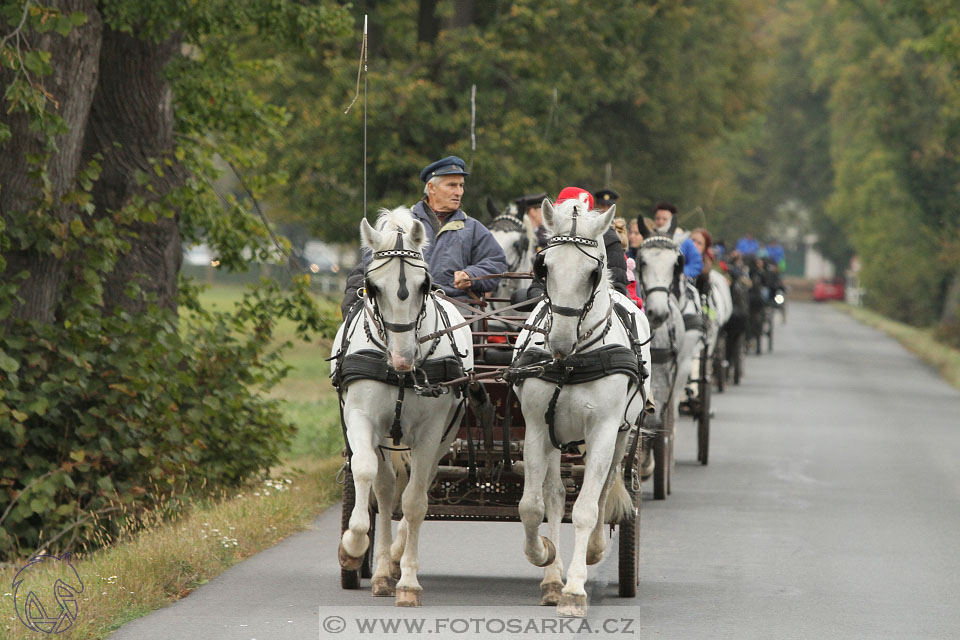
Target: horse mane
389,220
565,210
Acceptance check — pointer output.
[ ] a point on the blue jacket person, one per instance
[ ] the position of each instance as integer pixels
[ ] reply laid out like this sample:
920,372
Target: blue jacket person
461,248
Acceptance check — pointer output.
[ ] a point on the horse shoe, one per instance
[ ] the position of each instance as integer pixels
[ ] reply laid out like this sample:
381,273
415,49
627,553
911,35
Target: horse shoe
347,561
551,553
572,605
550,593
383,586
409,597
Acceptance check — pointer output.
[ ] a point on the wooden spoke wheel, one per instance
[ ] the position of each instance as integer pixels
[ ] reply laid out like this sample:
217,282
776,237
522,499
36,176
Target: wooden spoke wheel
703,419
629,533
629,543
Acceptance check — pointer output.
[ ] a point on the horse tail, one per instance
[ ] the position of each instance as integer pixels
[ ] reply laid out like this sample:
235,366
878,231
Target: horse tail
401,467
619,506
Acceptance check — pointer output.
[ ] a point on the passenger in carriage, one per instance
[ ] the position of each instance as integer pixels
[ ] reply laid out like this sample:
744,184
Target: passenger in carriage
662,218
620,226
530,206
460,248
616,260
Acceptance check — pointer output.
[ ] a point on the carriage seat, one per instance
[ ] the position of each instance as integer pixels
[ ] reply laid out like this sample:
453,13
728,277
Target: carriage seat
498,356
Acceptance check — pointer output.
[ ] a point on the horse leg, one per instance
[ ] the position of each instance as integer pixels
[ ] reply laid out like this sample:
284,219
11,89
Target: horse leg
601,443
554,498
609,506
540,551
383,582
409,591
363,465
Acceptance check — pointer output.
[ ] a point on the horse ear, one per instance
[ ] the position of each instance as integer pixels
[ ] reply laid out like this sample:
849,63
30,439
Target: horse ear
418,234
642,226
547,209
673,225
369,237
492,208
606,219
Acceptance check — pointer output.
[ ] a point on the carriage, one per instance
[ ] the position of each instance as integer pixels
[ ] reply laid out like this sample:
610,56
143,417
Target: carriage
481,476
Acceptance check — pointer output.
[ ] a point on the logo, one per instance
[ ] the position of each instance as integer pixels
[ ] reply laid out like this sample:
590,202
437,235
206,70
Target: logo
45,594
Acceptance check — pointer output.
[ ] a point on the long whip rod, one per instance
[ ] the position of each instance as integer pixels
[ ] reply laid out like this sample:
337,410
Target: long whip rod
362,70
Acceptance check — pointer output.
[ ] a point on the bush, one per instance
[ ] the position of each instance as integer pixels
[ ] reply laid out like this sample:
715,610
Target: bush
105,417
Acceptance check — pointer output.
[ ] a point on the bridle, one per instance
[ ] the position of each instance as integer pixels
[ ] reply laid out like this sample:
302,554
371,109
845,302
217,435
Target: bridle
540,272
397,253
660,242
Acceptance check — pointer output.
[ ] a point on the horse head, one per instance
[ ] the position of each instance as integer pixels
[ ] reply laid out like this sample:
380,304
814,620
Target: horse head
396,281
572,268
660,265
516,236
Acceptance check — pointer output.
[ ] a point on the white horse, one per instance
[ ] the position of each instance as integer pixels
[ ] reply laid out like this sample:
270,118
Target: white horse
383,340
660,266
518,239
579,321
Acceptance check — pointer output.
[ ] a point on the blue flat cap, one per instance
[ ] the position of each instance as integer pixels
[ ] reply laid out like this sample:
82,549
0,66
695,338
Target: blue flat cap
451,165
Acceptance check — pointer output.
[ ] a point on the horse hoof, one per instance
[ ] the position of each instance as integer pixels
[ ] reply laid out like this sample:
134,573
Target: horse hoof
551,552
383,586
593,557
572,605
347,561
409,597
550,593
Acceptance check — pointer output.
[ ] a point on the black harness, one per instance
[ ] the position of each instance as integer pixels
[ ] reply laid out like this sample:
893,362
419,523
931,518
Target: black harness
661,242
585,366
427,374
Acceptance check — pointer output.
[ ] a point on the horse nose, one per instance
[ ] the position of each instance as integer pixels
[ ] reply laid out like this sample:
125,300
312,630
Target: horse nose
400,363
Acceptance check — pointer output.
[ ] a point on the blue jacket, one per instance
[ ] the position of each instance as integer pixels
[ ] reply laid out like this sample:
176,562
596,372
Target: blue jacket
462,244
747,246
692,260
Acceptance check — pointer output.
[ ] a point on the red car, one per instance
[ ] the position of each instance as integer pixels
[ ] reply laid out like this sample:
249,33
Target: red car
829,289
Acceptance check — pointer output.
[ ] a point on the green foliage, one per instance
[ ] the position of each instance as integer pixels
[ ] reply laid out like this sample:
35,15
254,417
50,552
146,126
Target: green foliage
560,93
122,412
104,413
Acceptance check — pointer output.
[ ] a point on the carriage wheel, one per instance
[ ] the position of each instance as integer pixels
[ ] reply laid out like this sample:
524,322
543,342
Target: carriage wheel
738,361
703,418
770,336
661,467
719,355
629,543
350,579
671,459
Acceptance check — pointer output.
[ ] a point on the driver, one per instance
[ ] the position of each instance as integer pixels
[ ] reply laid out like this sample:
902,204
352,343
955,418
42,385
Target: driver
461,248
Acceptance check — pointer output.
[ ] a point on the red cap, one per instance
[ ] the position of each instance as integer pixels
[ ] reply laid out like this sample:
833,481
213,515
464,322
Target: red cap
576,193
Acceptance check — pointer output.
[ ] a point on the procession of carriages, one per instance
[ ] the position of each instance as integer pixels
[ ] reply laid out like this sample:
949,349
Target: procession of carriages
556,409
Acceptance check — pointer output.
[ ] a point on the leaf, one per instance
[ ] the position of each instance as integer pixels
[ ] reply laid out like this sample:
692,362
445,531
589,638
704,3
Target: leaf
78,18
79,455
7,363
39,406
19,416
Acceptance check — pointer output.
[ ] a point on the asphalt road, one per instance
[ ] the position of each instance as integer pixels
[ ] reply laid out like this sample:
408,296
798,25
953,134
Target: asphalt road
830,509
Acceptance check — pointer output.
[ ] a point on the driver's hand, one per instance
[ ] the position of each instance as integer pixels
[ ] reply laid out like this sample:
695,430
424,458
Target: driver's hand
461,280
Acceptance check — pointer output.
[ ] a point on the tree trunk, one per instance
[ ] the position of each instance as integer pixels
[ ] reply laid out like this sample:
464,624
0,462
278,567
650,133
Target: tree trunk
75,62
133,108
950,319
428,26
463,14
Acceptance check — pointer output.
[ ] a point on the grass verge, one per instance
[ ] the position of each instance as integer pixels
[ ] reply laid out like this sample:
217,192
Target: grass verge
920,342
166,562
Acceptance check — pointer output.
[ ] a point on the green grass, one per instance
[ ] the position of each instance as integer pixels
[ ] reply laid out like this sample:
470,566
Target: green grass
919,341
166,560
310,401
